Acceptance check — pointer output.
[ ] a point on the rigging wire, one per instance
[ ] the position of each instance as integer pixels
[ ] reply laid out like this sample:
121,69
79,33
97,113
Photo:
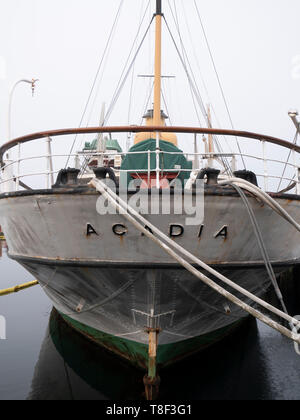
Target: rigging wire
186,63
100,81
131,92
121,83
194,52
165,103
197,94
201,74
175,18
130,96
218,77
97,91
204,111
149,90
97,74
129,110
219,126
286,163
199,97
148,99
122,79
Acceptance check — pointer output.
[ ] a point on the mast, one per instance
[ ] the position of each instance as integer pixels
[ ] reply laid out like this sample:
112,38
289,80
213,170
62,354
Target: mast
157,77
157,85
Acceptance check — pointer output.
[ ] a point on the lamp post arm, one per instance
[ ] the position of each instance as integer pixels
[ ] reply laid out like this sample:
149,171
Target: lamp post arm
32,82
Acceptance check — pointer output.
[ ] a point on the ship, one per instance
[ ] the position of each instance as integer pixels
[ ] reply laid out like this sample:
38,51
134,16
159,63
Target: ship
110,278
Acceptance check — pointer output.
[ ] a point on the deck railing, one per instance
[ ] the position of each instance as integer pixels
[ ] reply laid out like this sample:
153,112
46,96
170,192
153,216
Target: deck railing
273,174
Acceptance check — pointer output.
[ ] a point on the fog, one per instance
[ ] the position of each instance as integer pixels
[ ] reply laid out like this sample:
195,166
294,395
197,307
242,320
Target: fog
255,45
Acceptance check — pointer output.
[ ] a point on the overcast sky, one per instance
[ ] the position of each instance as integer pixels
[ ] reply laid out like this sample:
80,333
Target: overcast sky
255,43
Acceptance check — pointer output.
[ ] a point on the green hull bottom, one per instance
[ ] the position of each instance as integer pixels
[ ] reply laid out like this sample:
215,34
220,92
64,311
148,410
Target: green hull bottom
137,353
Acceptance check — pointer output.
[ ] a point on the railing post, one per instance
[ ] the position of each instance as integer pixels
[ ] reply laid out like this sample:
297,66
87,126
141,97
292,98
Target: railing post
77,161
18,168
196,163
8,184
149,168
50,177
233,164
157,160
47,164
265,166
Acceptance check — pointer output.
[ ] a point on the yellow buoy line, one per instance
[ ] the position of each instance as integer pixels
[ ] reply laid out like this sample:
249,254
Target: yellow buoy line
19,288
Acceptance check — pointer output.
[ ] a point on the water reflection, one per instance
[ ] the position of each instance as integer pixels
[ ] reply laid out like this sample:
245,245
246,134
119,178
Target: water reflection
253,364
241,368
71,367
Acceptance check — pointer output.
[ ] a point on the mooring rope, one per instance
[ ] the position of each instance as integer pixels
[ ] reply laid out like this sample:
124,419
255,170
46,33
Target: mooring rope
125,209
263,197
262,247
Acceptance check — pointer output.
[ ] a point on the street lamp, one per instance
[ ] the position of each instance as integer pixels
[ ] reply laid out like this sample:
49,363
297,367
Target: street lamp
293,114
31,82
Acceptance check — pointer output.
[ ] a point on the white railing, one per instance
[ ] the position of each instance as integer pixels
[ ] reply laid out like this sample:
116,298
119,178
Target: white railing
272,174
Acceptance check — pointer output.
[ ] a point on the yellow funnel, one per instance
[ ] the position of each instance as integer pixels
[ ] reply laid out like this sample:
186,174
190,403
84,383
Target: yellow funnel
170,137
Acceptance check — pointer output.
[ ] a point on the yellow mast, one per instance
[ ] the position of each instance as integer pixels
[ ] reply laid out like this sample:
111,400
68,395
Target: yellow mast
156,118
157,86
157,76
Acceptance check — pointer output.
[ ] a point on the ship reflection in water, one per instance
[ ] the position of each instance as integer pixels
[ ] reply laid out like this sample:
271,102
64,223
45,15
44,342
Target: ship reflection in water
255,363
252,364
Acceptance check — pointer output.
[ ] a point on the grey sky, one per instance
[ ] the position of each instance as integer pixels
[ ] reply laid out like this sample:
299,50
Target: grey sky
255,44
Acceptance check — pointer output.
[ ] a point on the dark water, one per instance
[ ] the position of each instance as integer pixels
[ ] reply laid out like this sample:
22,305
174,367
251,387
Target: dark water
43,358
